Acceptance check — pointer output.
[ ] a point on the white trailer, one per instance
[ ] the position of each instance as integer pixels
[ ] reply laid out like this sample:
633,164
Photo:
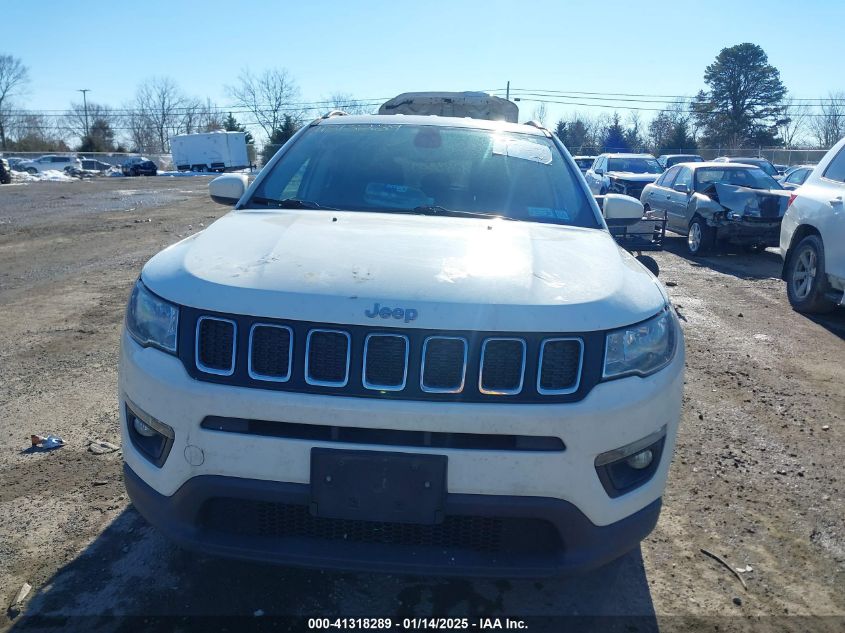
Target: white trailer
213,151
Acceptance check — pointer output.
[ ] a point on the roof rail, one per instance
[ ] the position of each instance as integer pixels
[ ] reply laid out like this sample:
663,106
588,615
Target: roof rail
539,126
329,115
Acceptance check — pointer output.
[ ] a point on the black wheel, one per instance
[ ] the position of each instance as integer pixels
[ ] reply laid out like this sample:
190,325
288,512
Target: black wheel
700,237
31,170
649,262
806,281
133,171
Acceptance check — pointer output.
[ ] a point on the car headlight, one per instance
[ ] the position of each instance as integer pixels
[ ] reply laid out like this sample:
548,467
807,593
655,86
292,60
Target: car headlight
641,349
151,320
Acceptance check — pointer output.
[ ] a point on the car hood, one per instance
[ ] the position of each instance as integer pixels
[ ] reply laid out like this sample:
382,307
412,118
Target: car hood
633,177
454,273
766,203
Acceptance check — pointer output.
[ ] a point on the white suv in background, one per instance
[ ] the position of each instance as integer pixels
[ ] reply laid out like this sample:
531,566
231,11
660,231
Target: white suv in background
627,174
51,162
812,237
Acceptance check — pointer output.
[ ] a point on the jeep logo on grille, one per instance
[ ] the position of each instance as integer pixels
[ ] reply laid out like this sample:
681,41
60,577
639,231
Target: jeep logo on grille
378,310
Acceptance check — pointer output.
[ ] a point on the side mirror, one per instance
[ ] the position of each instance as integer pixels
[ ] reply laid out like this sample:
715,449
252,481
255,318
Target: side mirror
228,189
599,171
621,210
681,187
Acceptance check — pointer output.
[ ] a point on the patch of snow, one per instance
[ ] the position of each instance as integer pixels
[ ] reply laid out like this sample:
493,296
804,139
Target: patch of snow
50,175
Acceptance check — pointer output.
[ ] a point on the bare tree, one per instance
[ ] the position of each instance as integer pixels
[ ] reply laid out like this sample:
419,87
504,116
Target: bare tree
157,113
35,133
192,118
211,118
73,123
828,125
268,97
14,77
791,127
540,114
346,102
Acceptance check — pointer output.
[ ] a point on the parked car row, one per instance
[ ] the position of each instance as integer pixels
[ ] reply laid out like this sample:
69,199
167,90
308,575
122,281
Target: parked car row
132,166
745,202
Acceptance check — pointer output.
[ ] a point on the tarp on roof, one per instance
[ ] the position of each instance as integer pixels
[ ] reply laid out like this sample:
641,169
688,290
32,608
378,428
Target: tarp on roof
476,105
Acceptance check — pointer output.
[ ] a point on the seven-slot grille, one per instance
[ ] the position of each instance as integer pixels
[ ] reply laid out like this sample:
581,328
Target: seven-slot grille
370,362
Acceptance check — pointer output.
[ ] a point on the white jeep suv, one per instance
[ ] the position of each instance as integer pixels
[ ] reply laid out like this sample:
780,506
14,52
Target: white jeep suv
412,346
812,237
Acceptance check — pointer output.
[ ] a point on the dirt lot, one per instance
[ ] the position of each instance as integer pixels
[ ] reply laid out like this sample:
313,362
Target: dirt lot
757,476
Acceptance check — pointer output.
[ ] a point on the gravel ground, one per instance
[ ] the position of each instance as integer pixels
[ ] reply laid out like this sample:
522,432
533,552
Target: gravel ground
757,476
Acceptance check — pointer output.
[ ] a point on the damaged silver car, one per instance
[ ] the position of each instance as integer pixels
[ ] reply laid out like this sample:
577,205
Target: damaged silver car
719,203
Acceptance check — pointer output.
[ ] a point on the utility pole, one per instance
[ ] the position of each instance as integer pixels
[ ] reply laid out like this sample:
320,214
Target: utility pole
508,92
84,92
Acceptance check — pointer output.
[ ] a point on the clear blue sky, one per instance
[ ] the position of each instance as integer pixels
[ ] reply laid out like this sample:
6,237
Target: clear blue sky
381,48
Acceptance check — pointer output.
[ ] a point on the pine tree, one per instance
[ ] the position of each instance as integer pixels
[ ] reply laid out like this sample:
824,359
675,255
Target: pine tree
100,138
614,137
279,137
230,124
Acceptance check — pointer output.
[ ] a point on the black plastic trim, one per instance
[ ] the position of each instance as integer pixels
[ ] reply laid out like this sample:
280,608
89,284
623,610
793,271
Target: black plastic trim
385,437
585,545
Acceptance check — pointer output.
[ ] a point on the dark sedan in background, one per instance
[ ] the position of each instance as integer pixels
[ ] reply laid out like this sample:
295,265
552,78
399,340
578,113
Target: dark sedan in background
138,166
670,160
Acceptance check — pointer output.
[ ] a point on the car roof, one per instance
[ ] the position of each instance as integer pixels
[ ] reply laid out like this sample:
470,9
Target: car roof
440,121
583,156
676,155
627,155
713,163
739,159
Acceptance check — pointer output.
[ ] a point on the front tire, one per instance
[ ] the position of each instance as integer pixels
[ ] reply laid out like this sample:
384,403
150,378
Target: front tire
806,281
700,237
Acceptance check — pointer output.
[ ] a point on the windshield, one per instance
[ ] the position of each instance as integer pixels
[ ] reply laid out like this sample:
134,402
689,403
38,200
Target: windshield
634,165
585,163
765,165
674,160
751,177
399,168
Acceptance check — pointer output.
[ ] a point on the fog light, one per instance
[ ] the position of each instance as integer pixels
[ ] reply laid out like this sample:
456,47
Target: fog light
152,438
641,460
625,468
143,428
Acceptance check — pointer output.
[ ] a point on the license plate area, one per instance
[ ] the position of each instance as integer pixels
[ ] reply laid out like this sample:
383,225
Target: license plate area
378,486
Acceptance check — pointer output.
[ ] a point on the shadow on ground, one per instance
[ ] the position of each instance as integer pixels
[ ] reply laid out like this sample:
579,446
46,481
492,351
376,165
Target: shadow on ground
742,265
130,578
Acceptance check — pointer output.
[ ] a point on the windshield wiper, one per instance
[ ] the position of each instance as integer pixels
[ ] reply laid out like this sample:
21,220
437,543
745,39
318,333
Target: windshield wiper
438,210
290,203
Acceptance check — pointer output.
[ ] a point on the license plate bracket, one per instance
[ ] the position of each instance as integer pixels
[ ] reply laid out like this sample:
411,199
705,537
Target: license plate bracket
378,486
